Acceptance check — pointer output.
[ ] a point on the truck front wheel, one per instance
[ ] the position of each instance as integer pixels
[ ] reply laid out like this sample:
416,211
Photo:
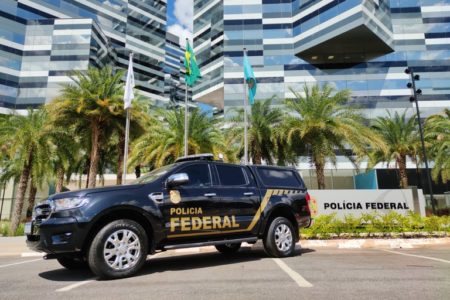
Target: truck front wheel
279,240
118,250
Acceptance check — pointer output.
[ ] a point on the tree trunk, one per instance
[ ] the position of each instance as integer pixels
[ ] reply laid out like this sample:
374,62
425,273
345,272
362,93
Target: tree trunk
257,158
401,162
120,158
88,163
320,174
18,204
59,179
80,179
95,154
31,200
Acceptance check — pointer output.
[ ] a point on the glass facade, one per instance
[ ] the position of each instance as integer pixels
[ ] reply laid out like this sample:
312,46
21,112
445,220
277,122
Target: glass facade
175,88
341,31
209,51
40,41
416,31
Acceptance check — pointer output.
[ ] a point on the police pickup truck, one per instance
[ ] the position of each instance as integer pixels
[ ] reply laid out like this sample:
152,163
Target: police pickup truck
194,202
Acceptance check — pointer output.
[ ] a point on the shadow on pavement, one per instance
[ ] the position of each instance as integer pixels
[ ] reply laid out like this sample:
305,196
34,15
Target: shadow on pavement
178,262
206,260
63,274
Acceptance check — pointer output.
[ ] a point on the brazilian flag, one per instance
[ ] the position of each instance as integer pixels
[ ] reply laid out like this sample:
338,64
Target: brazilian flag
190,63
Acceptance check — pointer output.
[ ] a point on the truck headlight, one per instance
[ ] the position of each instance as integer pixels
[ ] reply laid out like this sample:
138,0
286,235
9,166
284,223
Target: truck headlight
68,203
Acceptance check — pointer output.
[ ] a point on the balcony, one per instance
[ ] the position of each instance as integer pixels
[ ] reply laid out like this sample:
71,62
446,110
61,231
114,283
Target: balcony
343,32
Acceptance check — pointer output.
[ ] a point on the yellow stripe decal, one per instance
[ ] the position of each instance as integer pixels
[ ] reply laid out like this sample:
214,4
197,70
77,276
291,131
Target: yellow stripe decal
255,220
261,209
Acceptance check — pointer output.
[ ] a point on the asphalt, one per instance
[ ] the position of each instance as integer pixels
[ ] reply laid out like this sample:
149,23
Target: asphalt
313,273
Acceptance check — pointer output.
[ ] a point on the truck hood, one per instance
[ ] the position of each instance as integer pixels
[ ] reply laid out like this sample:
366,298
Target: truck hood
85,192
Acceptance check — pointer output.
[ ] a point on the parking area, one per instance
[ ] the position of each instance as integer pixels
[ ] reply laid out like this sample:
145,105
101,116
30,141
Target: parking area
321,273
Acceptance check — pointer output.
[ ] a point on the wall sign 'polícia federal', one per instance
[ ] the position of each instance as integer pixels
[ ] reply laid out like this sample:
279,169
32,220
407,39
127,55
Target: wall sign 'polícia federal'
368,205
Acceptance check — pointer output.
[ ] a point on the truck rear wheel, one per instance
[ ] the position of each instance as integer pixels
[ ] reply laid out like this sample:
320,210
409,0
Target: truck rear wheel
228,248
279,240
118,250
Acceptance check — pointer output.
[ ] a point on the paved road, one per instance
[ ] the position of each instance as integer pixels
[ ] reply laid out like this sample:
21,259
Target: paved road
313,274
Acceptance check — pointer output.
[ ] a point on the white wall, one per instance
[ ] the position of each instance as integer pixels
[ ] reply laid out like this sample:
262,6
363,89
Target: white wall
357,202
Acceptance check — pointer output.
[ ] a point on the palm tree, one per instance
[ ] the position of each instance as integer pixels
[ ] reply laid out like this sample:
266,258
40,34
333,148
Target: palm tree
320,123
262,127
163,141
93,101
27,140
437,134
400,135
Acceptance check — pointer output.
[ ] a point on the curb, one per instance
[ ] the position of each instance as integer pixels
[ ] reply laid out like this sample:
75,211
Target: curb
343,244
375,243
330,244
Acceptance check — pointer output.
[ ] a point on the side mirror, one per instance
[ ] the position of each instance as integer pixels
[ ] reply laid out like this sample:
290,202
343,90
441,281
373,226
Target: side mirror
177,179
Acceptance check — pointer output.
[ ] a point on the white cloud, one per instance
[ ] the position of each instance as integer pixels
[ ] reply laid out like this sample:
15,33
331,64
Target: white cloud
181,32
184,12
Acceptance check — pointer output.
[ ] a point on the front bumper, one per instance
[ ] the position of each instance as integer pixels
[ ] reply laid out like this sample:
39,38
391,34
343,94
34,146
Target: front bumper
55,235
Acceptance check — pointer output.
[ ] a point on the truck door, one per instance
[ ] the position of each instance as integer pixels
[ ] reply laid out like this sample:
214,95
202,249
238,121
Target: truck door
188,208
239,199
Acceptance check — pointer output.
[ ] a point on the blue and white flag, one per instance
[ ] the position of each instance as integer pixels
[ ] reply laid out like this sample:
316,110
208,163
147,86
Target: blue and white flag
129,85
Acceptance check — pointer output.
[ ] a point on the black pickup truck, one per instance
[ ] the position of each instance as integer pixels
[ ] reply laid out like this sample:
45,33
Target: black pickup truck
193,202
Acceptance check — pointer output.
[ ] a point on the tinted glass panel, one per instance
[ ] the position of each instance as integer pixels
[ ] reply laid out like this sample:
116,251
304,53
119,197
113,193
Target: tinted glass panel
282,178
198,175
231,175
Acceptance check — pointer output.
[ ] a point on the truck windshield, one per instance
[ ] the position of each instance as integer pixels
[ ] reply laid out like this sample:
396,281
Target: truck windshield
153,175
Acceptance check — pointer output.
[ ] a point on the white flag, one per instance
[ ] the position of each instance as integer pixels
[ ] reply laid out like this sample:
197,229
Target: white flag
129,85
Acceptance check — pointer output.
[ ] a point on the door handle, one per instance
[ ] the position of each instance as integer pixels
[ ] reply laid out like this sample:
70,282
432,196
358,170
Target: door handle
248,194
210,195
158,197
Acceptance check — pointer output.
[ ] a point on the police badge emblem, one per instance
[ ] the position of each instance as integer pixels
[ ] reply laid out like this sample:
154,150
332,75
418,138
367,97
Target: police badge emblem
175,197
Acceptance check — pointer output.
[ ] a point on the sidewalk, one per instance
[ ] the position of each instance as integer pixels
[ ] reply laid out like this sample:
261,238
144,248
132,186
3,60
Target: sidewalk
16,246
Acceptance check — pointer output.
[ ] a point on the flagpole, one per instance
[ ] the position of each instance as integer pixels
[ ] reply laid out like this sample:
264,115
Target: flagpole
186,124
245,119
128,96
186,112
125,154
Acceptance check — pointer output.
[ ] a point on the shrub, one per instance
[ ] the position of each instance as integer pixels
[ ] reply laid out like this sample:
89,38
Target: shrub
4,229
326,226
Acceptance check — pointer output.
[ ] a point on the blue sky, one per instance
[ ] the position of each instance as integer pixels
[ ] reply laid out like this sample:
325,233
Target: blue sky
171,19
180,18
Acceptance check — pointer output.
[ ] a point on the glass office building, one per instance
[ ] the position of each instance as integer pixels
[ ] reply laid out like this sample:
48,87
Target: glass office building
362,45
41,41
174,70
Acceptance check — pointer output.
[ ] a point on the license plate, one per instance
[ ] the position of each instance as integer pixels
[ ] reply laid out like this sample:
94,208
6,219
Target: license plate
28,228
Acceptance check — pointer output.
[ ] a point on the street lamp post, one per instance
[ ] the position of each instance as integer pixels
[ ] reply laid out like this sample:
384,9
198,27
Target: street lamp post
412,85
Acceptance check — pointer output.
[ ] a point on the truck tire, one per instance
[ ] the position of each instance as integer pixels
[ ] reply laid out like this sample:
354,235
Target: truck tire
280,240
228,248
71,263
118,250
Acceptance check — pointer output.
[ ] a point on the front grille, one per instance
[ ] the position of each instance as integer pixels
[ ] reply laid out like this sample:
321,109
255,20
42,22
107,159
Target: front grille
42,212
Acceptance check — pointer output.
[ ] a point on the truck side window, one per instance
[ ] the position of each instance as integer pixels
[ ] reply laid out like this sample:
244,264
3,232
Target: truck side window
231,175
198,175
282,178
